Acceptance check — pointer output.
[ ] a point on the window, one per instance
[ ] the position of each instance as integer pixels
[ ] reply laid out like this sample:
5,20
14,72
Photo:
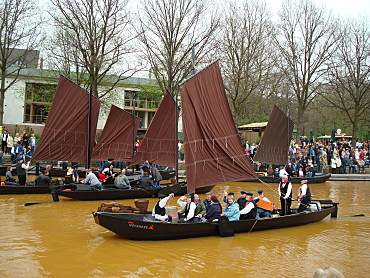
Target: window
38,102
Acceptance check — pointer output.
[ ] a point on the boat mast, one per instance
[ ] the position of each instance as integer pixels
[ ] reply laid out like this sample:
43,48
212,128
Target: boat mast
177,133
89,130
133,125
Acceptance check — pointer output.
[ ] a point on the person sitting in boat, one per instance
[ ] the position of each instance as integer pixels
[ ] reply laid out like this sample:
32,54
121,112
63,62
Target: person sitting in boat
285,193
270,171
304,196
159,210
226,196
121,181
9,180
250,209
107,164
276,173
283,172
144,168
261,212
207,201
156,176
200,210
145,181
43,179
190,207
242,201
109,173
214,210
92,180
232,211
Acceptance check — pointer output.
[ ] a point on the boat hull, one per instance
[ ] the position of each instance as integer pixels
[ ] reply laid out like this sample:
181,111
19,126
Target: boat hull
120,194
136,227
317,179
24,189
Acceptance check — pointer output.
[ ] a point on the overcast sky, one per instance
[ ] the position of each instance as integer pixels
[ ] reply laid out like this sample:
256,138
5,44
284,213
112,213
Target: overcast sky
342,8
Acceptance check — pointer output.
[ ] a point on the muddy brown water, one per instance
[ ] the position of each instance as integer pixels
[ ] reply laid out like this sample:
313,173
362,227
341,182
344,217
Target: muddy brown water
62,240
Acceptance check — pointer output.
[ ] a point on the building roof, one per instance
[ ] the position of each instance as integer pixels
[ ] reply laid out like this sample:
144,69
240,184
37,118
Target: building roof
253,126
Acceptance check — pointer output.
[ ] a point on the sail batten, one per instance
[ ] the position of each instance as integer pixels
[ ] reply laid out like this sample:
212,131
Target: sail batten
65,136
159,144
213,150
116,140
274,145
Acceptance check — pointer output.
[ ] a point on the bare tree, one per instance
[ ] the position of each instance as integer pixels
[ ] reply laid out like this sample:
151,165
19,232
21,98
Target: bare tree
20,35
306,41
245,45
167,30
95,29
349,75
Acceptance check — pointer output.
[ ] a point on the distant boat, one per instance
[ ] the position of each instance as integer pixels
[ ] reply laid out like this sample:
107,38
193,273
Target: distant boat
316,179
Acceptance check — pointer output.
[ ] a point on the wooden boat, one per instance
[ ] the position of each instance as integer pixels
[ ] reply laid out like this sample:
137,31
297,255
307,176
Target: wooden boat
316,179
119,194
24,189
144,227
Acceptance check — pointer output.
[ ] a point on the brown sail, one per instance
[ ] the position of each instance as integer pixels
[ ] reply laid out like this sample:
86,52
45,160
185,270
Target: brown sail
65,136
274,145
213,150
159,144
116,140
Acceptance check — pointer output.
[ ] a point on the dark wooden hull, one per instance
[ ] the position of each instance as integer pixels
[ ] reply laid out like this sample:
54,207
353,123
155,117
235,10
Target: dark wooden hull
22,189
317,179
167,174
119,194
138,227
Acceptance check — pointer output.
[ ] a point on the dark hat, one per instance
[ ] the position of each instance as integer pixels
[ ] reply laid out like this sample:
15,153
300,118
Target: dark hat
250,194
188,196
260,191
110,159
230,194
243,192
161,196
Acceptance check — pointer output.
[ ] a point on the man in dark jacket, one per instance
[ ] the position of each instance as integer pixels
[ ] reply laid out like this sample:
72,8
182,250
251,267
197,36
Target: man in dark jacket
43,179
21,171
242,201
156,176
145,181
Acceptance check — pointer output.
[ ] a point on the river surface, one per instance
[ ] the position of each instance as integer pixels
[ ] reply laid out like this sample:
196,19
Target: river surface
62,240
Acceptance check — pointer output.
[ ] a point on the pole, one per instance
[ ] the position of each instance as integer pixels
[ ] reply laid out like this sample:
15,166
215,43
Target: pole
133,123
177,134
89,130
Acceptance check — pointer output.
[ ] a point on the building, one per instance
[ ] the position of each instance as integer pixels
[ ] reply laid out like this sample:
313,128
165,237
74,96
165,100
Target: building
28,101
252,132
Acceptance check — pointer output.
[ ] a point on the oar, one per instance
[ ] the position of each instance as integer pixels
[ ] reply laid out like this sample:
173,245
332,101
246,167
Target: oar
356,215
31,204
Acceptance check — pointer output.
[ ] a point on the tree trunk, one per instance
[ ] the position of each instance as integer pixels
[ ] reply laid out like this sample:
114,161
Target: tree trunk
299,123
2,97
355,128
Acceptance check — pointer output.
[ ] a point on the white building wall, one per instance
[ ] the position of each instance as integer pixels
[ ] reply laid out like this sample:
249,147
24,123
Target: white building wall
14,102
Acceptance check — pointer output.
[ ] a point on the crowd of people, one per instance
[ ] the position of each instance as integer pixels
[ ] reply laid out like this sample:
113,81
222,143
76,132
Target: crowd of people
310,157
21,145
245,207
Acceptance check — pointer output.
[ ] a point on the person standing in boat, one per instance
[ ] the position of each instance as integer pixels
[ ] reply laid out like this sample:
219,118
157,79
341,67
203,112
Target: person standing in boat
159,210
304,196
21,170
107,164
43,179
250,209
92,180
145,181
242,201
190,207
285,193
156,176
69,178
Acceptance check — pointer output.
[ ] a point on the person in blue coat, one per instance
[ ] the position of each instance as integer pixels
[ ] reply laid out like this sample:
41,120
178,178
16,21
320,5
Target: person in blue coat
232,209
214,210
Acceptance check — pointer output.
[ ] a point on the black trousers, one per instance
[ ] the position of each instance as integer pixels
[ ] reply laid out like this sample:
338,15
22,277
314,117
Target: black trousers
4,147
305,202
285,205
22,179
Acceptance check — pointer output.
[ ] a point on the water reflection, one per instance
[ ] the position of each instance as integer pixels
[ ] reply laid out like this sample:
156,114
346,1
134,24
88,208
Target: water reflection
61,240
